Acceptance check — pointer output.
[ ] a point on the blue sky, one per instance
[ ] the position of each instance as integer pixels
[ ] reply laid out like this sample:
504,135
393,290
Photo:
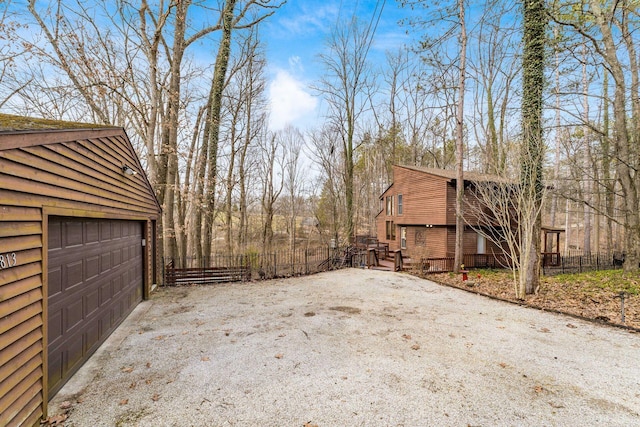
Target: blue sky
296,34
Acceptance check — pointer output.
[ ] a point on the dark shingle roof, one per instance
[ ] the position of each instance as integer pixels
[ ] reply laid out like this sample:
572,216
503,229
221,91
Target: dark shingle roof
451,174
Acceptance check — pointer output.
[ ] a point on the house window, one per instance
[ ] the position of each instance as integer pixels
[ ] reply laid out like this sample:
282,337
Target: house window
481,247
403,237
399,204
389,205
391,230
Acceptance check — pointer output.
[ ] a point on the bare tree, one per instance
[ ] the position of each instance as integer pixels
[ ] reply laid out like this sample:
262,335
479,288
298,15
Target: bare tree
344,86
493,71
293,144
230,20
506,212
272,185
330,189
450,19
609,31
9,54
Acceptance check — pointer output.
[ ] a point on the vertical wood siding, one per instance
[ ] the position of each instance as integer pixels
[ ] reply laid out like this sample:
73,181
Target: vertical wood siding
78,178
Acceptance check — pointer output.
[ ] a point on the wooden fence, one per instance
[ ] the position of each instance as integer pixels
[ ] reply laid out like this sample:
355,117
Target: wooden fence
252,266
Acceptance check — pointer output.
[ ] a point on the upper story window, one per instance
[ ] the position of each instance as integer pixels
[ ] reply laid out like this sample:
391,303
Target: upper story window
389,205
399,204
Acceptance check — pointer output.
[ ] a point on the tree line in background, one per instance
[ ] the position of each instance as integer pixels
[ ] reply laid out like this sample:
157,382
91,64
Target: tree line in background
187,80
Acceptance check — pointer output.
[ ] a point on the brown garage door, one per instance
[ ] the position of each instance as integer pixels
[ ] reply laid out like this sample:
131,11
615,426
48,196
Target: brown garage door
95,280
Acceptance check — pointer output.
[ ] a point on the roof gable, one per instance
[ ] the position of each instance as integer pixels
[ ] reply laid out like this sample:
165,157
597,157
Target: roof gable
81,162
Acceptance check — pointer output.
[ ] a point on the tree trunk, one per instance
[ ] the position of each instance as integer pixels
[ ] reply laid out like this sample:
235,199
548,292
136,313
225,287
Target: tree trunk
533,145
587,161
213,121
459,247
169,150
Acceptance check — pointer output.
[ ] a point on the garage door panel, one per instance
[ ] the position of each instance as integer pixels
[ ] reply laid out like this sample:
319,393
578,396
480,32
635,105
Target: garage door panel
105,293
55,281
72,234
116,230
99,282
55,236
92,230
55,368
105,321
91,302
105,262
105,231
72,352
92,267
72,315
116,257
55,327
72,273
92,336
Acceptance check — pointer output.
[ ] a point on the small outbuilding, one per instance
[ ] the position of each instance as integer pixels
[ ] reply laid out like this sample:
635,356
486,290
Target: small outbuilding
77,252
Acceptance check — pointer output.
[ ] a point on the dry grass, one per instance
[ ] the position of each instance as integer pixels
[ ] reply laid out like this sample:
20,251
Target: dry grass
593,295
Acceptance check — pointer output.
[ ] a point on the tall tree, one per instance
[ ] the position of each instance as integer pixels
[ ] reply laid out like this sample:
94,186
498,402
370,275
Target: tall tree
609,29
532,153
450,20
229,21
293,143
344,86
462,71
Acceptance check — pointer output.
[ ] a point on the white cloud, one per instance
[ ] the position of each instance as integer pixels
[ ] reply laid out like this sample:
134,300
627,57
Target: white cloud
289,101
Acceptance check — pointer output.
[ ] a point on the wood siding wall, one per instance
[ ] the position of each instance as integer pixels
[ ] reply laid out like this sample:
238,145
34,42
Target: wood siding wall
425,242
423,202
424,197
79,177
428,200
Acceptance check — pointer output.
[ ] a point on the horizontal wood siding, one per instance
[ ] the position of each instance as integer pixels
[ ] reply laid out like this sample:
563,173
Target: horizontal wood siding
45,173
21,315
423,195
423,242
34,171
423,202
436,241
451,203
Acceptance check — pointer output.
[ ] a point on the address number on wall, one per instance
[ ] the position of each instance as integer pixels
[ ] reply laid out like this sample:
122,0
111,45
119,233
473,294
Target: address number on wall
8,260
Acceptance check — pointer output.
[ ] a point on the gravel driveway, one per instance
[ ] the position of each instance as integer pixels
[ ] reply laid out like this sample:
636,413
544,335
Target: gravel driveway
353,348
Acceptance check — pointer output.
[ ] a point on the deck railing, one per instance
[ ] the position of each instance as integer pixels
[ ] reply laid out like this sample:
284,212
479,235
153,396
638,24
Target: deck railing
446,264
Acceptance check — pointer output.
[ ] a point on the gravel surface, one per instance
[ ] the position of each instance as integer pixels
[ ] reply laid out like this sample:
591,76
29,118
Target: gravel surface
353,348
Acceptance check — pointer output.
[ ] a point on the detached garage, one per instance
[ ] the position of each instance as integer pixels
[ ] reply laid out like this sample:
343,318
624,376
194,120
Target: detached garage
77,252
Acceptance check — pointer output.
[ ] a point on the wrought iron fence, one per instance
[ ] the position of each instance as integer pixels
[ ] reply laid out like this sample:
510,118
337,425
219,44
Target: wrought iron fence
573,262
578,262
255,265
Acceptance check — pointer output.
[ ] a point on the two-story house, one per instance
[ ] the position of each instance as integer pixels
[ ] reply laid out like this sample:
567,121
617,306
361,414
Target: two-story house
418,213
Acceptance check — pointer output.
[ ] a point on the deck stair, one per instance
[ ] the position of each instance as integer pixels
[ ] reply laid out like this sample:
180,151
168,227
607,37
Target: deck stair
389,261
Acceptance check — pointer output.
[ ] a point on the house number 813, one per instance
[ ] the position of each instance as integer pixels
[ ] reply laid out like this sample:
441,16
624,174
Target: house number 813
8,260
